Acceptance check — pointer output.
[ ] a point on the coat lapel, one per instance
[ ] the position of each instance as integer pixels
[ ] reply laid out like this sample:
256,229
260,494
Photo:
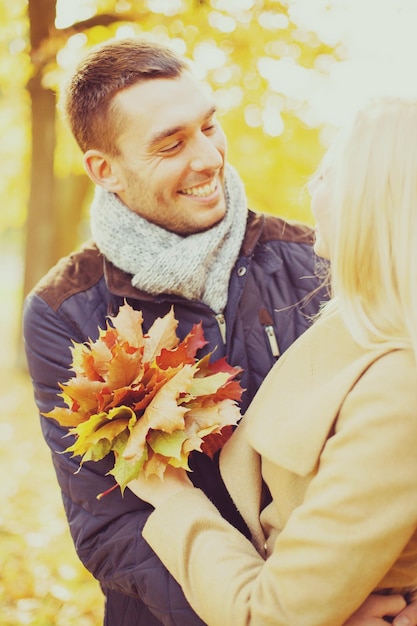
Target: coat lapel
240,467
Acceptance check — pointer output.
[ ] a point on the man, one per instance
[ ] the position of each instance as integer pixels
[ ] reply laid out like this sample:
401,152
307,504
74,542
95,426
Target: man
171,228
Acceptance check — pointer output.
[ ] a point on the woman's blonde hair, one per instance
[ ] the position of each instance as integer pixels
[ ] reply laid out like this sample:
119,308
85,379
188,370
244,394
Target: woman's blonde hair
373,179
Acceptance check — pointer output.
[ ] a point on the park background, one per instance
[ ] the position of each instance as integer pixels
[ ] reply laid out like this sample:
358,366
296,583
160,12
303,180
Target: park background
285,74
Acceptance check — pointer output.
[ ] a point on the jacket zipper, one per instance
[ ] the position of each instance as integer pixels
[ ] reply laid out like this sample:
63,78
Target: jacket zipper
272,341
222,326
266,322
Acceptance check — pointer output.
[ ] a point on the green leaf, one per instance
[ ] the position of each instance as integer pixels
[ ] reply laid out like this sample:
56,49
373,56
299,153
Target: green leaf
97,451
208,385
167,444
101,426
125,471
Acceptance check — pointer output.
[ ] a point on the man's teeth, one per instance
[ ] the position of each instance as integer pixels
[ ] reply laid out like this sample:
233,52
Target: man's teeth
204,190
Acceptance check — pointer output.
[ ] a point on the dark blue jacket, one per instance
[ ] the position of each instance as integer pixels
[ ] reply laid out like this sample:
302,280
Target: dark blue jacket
272,295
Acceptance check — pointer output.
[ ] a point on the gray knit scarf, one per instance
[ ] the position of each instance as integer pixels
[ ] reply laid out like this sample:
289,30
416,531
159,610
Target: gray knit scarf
196,266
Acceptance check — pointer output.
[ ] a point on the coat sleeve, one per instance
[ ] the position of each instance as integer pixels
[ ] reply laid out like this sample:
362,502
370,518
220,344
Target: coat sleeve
358,516
108,533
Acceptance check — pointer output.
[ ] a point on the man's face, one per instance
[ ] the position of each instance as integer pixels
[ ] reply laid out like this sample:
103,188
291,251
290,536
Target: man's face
172,154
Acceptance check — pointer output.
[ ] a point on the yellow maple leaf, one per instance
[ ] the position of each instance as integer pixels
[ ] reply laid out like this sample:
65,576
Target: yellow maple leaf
162,334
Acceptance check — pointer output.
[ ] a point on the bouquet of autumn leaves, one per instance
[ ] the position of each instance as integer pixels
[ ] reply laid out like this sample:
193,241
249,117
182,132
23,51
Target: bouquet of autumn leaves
146,398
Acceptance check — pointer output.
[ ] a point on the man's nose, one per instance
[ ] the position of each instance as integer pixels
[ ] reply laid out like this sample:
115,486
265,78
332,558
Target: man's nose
206,155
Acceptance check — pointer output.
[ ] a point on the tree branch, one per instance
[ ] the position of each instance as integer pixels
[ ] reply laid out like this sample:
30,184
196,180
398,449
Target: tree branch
104,19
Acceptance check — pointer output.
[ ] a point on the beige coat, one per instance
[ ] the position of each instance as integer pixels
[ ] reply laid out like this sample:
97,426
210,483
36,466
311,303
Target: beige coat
334,432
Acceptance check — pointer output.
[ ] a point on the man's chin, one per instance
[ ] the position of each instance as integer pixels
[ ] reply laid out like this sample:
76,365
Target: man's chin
201,227
217,216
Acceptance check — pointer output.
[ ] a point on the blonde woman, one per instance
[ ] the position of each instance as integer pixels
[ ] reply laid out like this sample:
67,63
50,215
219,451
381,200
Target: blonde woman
323,467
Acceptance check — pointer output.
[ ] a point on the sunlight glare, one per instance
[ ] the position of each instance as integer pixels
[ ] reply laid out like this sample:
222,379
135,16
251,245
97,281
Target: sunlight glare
67,55
376,50
273,21
70,11
233,6
166,8
223,23
209,55
253,115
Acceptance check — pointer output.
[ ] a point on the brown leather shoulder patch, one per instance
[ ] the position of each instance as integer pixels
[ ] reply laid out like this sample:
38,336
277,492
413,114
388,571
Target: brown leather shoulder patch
263,228
286,230
72,274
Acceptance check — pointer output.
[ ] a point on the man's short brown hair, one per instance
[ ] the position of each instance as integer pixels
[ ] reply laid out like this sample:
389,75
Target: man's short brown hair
88,100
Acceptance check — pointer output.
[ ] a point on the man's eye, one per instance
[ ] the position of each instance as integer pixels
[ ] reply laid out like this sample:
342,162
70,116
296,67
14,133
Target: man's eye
210,127
172,148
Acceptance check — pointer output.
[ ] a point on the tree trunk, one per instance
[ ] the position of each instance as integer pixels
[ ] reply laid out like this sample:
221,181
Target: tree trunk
40,228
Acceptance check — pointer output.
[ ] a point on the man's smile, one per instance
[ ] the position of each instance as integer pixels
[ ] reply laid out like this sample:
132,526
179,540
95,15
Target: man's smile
200,191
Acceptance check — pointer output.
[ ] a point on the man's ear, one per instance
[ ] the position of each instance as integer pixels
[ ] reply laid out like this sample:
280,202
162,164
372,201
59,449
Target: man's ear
100,169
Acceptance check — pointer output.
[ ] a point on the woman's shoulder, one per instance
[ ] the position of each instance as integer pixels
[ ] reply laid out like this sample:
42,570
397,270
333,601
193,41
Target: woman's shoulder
393,376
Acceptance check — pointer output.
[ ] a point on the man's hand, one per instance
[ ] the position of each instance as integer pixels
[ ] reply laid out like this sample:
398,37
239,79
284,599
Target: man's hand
376,607
408,616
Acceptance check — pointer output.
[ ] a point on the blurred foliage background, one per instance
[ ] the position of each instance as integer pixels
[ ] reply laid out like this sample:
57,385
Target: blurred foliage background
283,74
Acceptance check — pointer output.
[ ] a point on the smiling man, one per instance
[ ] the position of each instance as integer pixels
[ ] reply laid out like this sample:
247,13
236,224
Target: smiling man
170,228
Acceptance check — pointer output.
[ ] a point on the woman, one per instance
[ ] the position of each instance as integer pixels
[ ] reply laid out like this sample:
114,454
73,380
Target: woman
323,467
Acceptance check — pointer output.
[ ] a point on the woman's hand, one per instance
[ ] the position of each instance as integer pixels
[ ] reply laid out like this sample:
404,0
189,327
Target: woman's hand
155,491
376,607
